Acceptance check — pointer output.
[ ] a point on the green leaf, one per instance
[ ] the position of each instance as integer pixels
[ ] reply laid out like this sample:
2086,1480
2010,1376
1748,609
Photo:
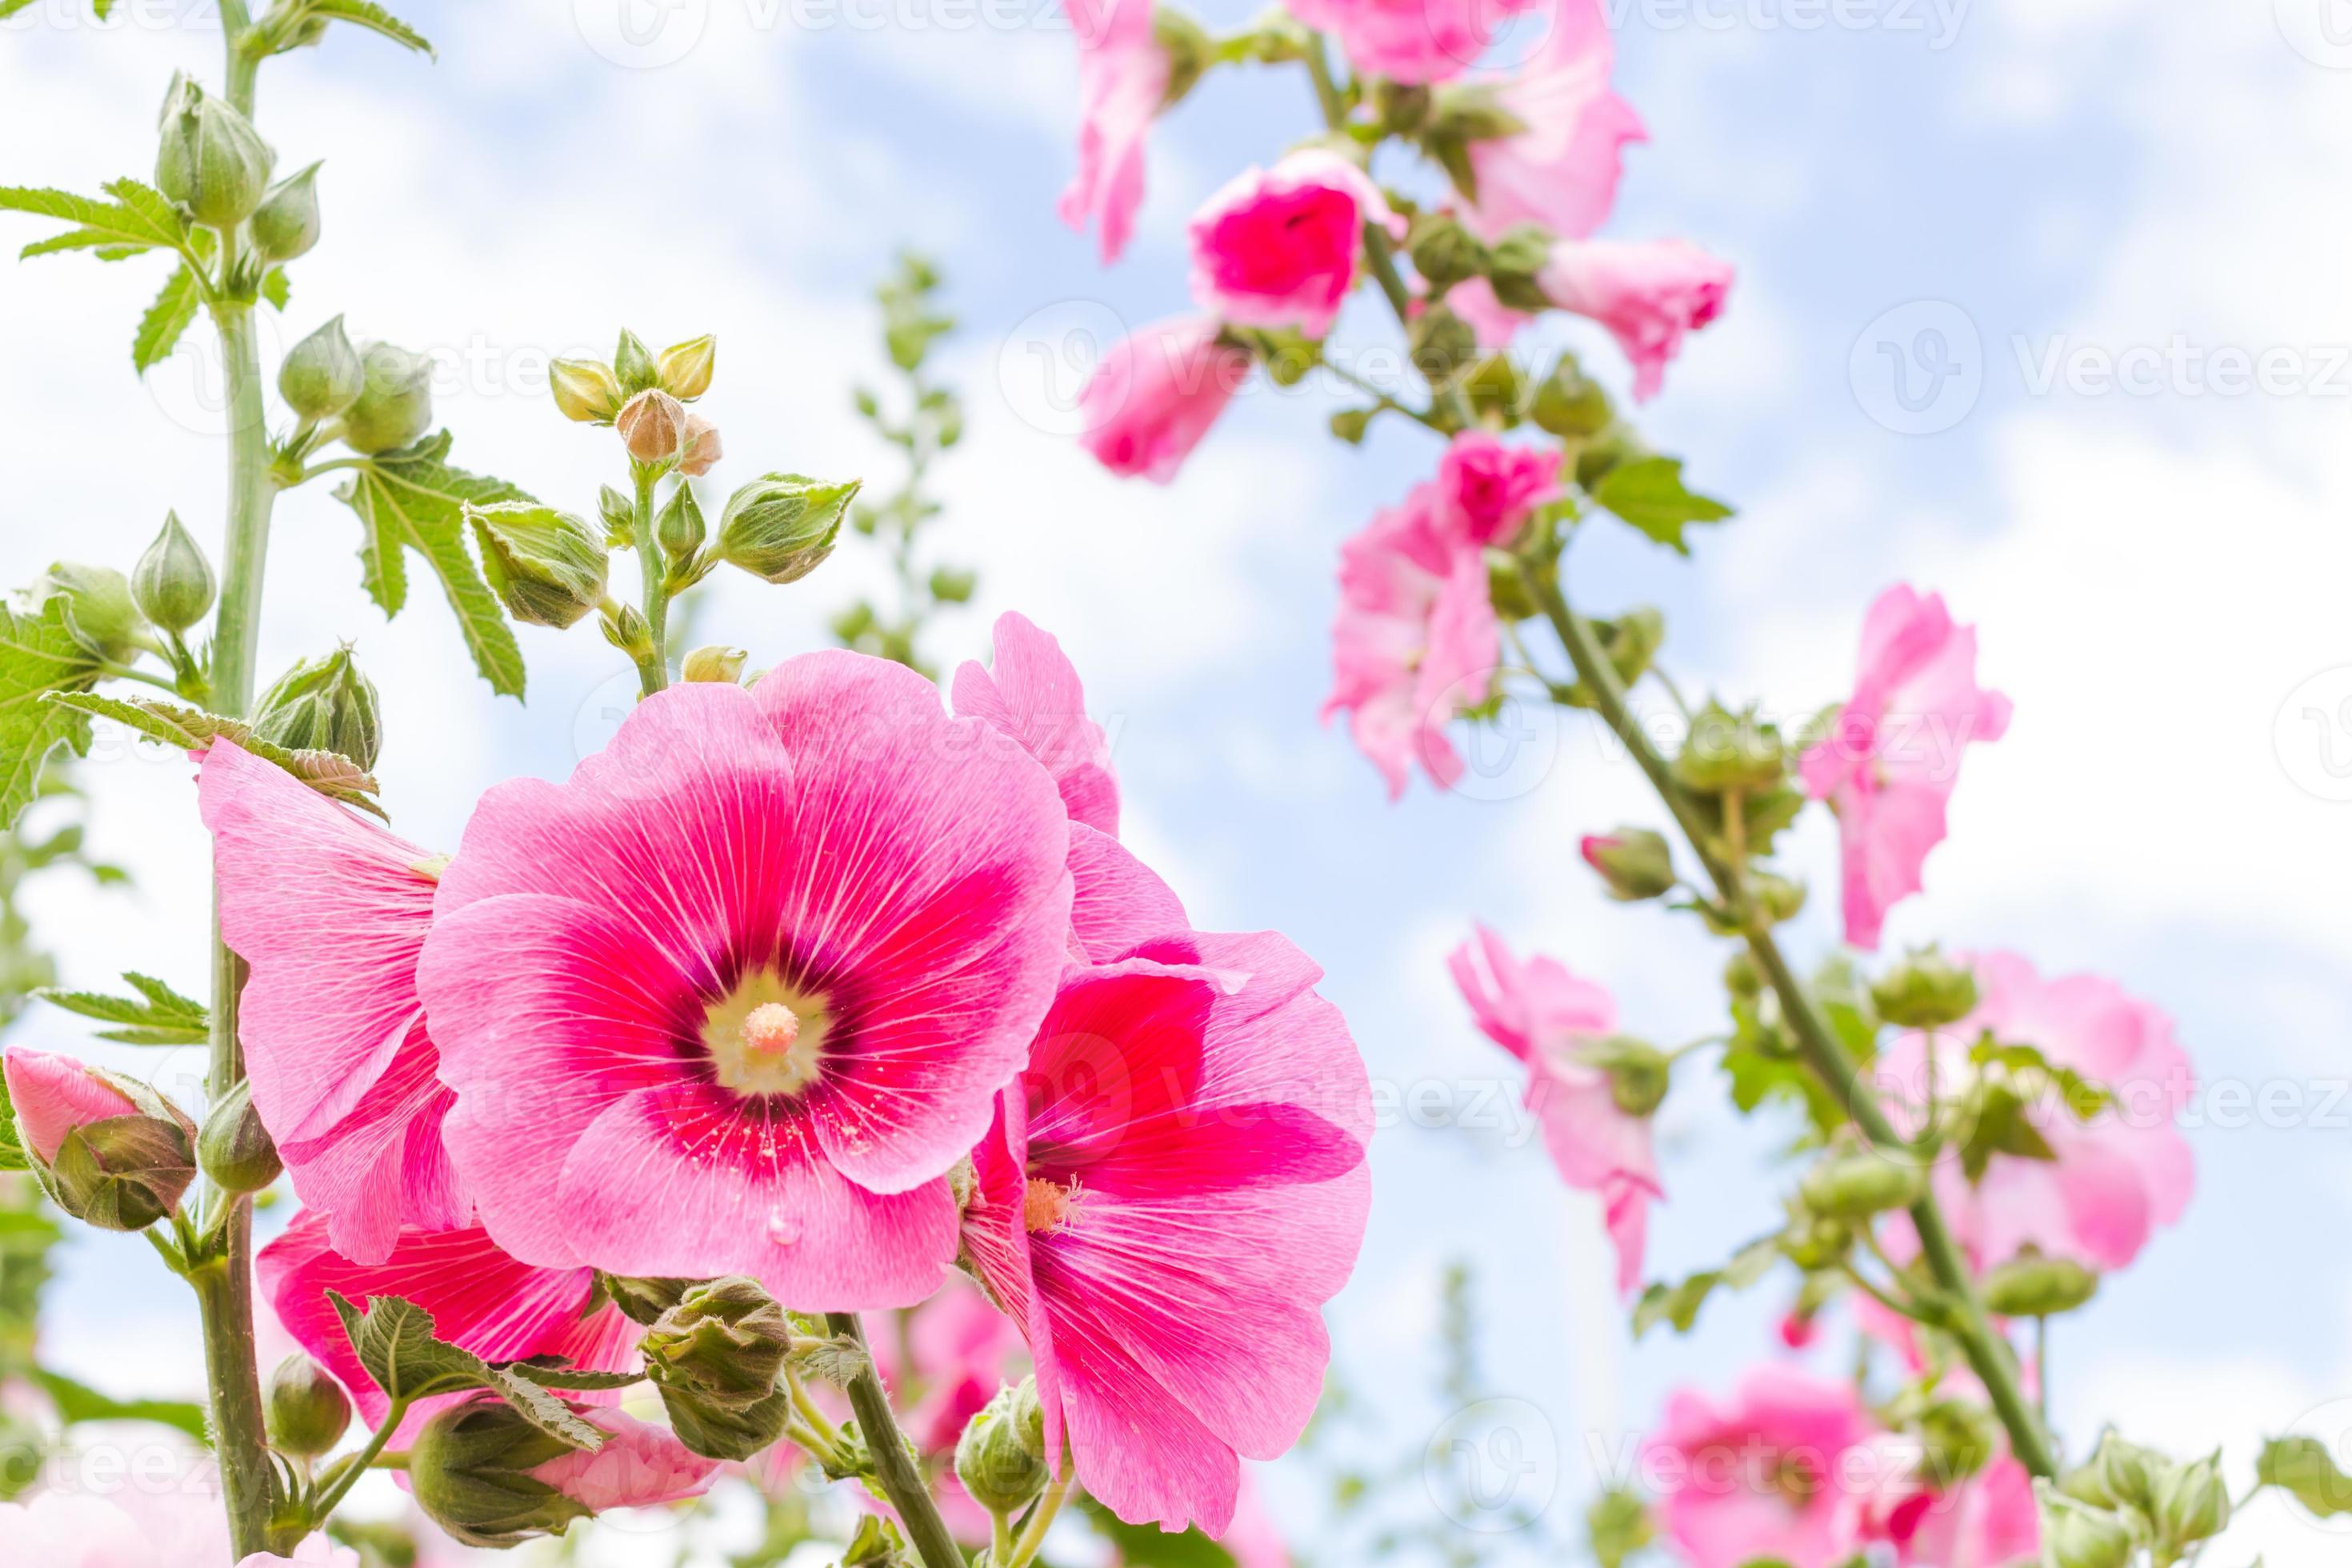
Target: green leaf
1679,1304
331,773
1617,1526
80,1401
374,18
138,219
166,319
276,287
158,1015
2305,1469
557,1372
544,1409
412,500
1648,492
397,1345
39,655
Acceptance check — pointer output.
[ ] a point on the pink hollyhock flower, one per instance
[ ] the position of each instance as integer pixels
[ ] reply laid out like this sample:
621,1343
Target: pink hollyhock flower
1561,171
1491,485
330,911
1413,41
964,1350
736,997
1416,640
1156,393
1988,1520
1647,294
2116,1177
316,1552
637,1467
54,1094
1169,1191
1034,698
1278,247
1764,1475
1893,757
1122,82
94,1515
1547,1018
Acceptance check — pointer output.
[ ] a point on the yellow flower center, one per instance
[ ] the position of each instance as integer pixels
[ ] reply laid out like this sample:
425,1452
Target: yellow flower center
766,1037
1048,1205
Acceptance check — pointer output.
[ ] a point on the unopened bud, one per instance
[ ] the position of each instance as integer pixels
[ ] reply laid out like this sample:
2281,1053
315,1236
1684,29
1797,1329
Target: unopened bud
1472,111
720,665
1813,1242
324,375
211,161
470,1469
306,1409
781,527
547,567
1444,251
98,603
1639,1073
1926,991
951,586
1857,1186
683,369
286,225
703,447
652,426
680,529
2192,1502
1029,1416
1739,975
1959,1440
994,1463
324,705
626,627
724,1342
2123,1475
585,390
1514,262
633,365
108,1148
643,1300
173,585
1634,862
1778,898
1569,402
396,402
619,515
1726,752
2036,1287
2076,1536
234,1150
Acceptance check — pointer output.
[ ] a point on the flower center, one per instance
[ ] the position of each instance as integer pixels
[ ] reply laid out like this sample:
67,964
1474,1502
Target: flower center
1048,1205
765,1037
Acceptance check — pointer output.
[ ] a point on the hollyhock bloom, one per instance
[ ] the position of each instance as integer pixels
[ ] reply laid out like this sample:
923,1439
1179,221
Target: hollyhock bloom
1560,173
1491,485
1990,1521
1413,41
1169,1191
1156,393
316,1552
964,1351
330,911
54,1094
1761,1475
1416,640
2116,1177
94,1515
1278,247
1122,82
639,1466
1891,760
1034,698
1544,1016
737,996
1648,294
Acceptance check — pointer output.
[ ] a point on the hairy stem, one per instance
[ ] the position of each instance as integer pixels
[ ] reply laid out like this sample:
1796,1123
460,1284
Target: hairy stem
894,1466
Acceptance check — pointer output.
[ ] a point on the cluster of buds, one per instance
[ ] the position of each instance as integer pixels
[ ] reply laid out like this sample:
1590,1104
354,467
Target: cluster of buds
213,164
323,705
643,398
1857,1186
715,1353
373,397
108,1149
2126,1498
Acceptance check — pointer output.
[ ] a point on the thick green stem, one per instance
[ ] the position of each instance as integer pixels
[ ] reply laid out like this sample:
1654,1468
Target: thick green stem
652,671
894,1466
1986,1355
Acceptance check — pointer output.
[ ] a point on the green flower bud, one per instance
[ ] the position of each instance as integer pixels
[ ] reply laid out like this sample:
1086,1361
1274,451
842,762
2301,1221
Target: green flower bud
306,1409
951,586
173,585
2192,1502
1634,862
1187,49
680,529
633,365
721,665
724,1342
98,603
124,1173
1441,343
234,1150
643,1302
1926,991
1471,111
652,426
1739,975
286,225
720,1431
1958,1439
993,1462
396,402
1631,642
1444,251
626,628
1029,1417
619,515
1726,752
546,566
1569,403
1777,899
324,375
781,527
470,1469
2031,1286
585,390
2125,1475
323,705
1638,1072
683,369
211,161
1857,1186
2076,1536
1812,1242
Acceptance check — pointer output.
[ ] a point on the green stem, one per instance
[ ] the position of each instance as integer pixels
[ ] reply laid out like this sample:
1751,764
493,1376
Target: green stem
652,671
1986,1355
1033,1535
894,1465
347,1472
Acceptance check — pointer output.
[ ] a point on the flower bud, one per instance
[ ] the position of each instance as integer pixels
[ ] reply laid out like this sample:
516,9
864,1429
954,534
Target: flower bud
396,402
1569,402
470,1469
1445,252
626,627
633,365
1778,898
109,1150
286,225
950,586
1959,1440
724,1342
683,369
2192,1502
781,527
324,375
234,1150
1517,259
2031,1286
993,1462
1634,863
1926,991
1029,1417
652,426
722,665
546,566
643,1300
2123,1475
703,447
1739,975
2076,1536
1726,752
1638,1072
1857,1186
1813,1243
306,1410
211,161
323,705
585,390
105,617
681,528
173,585
619,515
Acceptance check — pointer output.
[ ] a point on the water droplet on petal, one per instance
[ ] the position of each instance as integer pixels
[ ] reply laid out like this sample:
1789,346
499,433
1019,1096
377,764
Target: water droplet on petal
783,1228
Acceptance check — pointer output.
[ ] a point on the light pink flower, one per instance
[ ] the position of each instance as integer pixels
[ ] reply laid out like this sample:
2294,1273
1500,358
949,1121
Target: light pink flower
1892,758
54,1094
330,911
1278,247
1122,82
1491,485
1156,393
1415,41
736,997
1988,1520
1034,698
1761,1475
637,1467
165,1515
1495,323
1416,641
1171,1191
1543,1014
1647,293
2117,1177
1561,171
318,1551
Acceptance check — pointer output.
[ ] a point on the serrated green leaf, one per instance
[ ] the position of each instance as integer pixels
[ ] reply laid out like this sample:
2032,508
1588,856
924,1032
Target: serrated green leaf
331,773
166,319
138,219
375,20
158,1015
544,1409
80,1401
39,655
412,500
1648,492
399,1346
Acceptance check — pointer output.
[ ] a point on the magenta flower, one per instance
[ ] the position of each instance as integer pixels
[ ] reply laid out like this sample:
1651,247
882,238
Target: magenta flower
736,997
639,1466
1548,1018
1413,41
1988,1520
1766,1475
1492,486
1416,641
1893,757
1168,1193
330,911
1122,82
1561,171
1156,393
54,1094
1647,294
1278,247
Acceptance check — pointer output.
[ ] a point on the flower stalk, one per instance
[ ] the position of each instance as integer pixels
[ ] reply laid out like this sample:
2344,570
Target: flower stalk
894,1462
